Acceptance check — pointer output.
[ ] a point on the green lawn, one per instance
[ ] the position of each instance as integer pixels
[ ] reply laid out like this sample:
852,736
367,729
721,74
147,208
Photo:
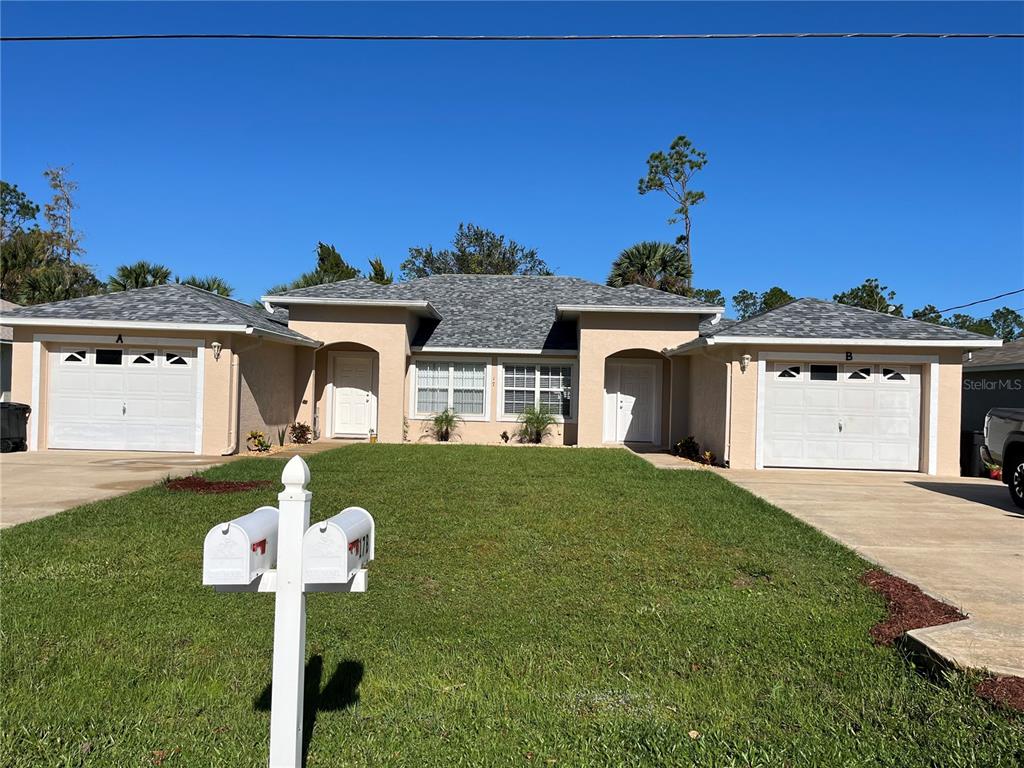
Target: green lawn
527,607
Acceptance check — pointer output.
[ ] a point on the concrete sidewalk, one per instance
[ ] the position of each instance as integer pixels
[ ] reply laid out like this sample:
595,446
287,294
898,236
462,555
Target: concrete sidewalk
961,540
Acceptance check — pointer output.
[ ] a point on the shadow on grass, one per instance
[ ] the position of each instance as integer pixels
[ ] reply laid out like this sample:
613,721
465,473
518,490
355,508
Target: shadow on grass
339,693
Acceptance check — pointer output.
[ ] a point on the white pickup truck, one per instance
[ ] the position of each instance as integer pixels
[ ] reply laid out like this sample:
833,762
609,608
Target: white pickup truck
1004,445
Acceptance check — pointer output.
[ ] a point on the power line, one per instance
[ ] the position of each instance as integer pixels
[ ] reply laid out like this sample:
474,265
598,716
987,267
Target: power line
528,38
981,301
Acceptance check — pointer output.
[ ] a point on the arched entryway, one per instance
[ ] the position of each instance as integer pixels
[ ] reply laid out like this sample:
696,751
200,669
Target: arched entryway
349,377
636,398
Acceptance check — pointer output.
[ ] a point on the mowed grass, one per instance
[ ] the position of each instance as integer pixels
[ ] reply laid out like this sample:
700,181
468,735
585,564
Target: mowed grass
527,607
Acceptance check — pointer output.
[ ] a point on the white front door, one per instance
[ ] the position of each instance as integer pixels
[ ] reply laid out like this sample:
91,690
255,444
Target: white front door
353,406
842,416
123,398
631,402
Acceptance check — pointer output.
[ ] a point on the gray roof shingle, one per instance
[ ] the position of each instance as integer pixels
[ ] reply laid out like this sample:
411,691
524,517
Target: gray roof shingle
171,303
818,319
1010,355
499,311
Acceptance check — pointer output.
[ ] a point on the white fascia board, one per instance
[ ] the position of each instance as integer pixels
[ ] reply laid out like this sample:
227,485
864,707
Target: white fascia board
567,353
789,341
578,308
146,325
423,306
689,346
64,322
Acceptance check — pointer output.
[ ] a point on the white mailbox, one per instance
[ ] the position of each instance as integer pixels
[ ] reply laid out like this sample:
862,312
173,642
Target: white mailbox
335,550
237,552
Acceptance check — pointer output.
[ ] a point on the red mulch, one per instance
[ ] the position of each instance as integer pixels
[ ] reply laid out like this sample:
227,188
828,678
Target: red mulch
909,607
194,484
1006,691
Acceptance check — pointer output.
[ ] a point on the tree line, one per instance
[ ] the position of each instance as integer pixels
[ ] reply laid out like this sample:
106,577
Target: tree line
44,263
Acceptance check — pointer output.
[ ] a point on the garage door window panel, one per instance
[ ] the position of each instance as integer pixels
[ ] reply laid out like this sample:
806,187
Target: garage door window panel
142,357
109,356
72,356
177,359
824,373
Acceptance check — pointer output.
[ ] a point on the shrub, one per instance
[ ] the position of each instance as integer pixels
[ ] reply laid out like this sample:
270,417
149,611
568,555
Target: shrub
281,432
534,424
300,433
257,442
444,424
688,449
708,458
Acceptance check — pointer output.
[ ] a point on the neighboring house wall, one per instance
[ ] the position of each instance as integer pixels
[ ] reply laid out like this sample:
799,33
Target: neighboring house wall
383,331
218,417
985,390
6,352
604,334
267,390
743,406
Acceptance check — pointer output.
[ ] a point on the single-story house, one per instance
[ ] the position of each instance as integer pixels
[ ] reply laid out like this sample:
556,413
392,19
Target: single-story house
809,384
6,350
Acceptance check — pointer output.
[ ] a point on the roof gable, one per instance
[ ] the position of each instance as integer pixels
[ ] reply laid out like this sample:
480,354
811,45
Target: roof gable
515,312
819,319
161,304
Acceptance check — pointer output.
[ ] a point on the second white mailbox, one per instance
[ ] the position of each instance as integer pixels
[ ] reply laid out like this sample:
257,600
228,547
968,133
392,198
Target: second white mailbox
336,549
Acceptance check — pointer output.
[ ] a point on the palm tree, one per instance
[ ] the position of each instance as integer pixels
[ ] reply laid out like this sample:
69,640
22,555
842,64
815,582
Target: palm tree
141,274
211,283
656,265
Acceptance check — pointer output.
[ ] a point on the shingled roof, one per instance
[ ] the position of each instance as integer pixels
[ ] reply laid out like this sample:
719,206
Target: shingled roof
815,319
160,306
1009,356
521,312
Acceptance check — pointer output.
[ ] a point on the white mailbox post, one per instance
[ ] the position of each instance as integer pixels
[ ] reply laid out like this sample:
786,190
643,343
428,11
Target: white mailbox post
330,556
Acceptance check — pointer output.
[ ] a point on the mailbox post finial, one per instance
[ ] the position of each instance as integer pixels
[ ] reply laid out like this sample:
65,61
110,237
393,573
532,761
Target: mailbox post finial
296,475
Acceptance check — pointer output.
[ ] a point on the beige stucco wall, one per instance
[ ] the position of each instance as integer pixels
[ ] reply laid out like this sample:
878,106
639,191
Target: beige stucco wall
603,334
743,405
266,388
707,404
217,417
473,430
382,331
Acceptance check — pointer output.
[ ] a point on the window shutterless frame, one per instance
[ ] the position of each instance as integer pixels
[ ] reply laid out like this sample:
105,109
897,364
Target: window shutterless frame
538,386
453,379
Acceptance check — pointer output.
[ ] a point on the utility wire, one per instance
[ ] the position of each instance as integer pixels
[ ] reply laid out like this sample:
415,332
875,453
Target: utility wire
529,38
982,301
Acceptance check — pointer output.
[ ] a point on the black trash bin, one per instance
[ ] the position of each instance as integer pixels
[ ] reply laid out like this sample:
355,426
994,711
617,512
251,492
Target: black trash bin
970,454
14,427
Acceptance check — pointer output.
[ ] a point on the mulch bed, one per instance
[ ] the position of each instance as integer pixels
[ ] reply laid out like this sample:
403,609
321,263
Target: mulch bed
1005,691
195,484
908,607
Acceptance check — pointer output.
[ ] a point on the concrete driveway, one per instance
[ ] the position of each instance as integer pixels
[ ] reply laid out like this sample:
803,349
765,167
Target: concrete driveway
961,540
36,484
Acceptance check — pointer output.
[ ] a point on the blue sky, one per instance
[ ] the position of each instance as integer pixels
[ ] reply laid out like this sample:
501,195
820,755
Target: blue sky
829,161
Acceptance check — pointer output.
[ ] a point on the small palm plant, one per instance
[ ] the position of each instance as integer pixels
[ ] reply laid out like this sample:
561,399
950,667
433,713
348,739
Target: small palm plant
444,424
534,424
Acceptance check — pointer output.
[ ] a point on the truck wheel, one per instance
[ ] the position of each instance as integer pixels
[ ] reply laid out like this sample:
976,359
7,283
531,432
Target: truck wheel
1016,480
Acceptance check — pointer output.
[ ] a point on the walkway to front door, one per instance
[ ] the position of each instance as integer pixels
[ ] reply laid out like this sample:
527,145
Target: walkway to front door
353,403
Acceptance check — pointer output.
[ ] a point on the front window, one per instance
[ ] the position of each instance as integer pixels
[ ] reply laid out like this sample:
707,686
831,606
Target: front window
543,387
462,387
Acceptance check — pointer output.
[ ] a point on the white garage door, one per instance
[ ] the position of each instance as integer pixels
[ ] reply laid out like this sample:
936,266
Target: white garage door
126,399
844,416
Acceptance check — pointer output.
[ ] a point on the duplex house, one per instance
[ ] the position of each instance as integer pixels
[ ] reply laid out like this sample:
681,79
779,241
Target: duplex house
175,368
